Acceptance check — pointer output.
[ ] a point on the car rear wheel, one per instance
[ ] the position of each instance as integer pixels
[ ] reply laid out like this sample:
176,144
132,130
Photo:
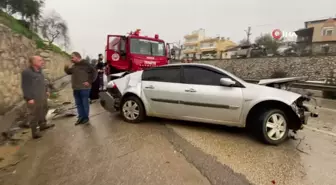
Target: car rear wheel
132,110
273,126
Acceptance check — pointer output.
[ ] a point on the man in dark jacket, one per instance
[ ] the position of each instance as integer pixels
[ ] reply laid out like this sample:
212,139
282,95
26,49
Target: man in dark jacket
35,92
82,76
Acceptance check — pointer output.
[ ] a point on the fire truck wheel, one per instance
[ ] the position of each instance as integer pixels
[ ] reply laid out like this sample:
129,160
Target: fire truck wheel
132,109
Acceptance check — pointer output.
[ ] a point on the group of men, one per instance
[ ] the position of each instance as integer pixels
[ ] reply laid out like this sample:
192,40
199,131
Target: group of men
36,93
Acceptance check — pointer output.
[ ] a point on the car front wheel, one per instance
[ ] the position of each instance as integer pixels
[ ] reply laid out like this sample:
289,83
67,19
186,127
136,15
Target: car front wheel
132,110
273,126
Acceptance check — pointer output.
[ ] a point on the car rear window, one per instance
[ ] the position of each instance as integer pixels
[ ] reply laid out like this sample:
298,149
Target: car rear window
166,74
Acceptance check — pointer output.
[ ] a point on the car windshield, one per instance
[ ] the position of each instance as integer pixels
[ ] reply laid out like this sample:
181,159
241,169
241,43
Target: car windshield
147,47
230,74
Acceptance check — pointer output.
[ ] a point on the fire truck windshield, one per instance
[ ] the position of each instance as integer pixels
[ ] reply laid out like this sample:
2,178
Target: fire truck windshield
147,47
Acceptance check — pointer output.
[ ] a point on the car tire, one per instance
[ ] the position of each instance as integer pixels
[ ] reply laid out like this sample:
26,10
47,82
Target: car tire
132,110
273,126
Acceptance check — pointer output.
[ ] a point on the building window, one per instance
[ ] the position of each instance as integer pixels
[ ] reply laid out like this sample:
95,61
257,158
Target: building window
191,40
208,45
327,31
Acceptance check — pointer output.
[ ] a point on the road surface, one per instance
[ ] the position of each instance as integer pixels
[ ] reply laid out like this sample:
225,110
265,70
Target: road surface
310,159
110,151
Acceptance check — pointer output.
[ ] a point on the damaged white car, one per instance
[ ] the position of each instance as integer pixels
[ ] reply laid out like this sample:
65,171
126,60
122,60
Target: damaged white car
205,93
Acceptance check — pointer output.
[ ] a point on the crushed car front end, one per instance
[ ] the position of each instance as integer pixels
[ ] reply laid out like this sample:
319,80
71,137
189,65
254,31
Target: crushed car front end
302,111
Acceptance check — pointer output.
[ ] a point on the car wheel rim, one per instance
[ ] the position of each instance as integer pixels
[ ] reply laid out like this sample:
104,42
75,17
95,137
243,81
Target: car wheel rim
276,126
131,110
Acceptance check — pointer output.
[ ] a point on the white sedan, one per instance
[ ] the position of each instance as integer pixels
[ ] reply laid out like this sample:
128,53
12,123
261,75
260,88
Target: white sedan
205,93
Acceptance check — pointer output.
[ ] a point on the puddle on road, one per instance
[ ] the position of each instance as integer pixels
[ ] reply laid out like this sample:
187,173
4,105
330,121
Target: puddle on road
287,164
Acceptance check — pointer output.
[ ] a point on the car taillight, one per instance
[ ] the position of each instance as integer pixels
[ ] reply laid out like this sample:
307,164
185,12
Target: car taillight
114,86
111,85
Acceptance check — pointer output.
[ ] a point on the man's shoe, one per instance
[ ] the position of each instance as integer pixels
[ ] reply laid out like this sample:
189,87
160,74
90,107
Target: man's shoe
46,126
79,121
36,135
85,121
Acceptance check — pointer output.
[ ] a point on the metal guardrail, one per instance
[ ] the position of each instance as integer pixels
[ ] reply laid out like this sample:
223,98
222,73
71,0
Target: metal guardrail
306,85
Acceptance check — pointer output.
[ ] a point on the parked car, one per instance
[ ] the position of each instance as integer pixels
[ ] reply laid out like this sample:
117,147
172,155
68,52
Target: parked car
186,60
205,93
250,51
208,57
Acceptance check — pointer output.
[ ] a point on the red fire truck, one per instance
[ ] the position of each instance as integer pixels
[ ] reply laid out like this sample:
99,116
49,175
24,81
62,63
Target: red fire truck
134,52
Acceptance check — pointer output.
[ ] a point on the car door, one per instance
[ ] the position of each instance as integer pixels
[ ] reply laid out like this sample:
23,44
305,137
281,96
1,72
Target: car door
205,99
116,52
161,89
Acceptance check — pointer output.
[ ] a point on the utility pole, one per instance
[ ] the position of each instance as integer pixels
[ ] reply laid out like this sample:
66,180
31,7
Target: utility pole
248,34
180,49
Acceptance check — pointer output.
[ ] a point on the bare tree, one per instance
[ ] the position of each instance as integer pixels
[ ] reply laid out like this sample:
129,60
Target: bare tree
269,42
54,28
244,42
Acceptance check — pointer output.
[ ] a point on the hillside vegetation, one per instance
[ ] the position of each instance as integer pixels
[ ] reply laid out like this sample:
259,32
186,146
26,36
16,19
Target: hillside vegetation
18,27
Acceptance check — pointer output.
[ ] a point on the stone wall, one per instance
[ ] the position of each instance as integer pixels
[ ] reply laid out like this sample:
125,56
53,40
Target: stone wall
14,52
315,68
317,48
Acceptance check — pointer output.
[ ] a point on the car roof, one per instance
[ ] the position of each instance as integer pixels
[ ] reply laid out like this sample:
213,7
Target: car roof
207,66
190,64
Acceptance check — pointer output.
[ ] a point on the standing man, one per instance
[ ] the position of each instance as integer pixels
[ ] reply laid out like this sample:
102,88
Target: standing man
101,70
82,76
35,92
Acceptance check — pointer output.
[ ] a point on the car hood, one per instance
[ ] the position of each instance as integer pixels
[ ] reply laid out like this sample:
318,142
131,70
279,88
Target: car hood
263,93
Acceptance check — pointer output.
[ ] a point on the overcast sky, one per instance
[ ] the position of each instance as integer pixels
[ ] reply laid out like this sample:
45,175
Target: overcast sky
91,20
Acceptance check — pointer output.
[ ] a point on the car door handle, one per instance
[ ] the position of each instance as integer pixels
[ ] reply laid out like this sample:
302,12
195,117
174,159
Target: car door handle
149,87
190,90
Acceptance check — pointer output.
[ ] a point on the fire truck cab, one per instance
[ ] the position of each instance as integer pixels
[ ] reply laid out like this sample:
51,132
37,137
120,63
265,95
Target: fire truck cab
135,52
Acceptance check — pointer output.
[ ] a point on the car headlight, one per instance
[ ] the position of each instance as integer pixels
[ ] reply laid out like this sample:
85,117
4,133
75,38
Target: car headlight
295,108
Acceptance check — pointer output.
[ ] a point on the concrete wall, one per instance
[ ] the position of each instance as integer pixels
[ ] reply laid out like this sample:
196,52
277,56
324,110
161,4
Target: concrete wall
317,48
315,68
318,26
14,52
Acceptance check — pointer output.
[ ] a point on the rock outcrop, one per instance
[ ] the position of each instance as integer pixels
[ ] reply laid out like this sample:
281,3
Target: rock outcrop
15,50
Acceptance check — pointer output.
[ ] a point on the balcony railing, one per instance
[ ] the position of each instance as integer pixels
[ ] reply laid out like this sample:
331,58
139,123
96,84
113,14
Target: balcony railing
208,48
190,43
303,39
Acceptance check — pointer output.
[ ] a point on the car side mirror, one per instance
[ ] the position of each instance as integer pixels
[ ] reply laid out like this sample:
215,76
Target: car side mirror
227,82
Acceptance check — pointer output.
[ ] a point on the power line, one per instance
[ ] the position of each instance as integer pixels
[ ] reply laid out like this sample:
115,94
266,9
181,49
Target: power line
292,21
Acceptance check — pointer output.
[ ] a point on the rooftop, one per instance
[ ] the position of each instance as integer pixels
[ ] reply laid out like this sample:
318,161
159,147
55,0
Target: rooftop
318,21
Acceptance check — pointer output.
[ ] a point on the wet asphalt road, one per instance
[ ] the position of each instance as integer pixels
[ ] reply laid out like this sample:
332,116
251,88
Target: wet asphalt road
308,160
109,151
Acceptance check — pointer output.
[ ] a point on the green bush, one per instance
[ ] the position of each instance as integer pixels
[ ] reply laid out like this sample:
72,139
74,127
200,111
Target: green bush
40,44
